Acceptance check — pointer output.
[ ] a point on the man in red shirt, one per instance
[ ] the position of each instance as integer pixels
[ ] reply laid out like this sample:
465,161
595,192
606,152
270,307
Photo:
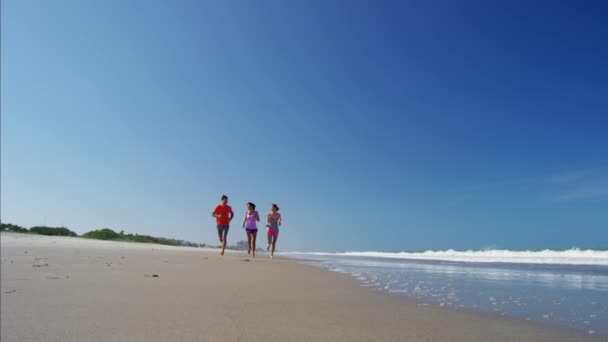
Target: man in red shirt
223,215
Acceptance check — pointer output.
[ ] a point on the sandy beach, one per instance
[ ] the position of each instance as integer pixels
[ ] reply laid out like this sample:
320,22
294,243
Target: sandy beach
73,289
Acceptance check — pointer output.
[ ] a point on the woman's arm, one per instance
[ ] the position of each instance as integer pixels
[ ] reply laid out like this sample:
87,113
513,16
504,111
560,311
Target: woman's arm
244,220
280,219
257,216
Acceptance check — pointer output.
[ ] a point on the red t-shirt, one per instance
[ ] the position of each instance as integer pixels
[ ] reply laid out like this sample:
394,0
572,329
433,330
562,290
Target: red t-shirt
224,211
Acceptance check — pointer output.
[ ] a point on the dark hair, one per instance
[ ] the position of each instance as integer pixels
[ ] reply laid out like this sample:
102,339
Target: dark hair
224,197
276,207
251,204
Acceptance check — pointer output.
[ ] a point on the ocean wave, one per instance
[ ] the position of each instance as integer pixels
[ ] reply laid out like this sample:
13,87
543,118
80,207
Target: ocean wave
572,256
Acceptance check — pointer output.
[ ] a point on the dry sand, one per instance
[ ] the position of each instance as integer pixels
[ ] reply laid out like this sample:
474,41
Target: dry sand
71,289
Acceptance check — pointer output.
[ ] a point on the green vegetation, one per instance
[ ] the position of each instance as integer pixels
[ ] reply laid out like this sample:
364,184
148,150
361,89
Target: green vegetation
12,228
53,231
109,234
40,230
151,239
102,234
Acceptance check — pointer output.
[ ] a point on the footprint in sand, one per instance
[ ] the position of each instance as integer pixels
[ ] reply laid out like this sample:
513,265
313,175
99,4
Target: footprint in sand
40,262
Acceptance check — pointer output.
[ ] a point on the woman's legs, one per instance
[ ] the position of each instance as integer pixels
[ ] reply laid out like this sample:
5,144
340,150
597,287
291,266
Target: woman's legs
253,237
269,242
274,244
248,242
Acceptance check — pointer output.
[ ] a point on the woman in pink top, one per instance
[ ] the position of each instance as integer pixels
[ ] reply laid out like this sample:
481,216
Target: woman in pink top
273,221
249,223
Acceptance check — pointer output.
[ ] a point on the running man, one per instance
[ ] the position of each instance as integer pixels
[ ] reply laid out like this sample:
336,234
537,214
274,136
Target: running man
223,215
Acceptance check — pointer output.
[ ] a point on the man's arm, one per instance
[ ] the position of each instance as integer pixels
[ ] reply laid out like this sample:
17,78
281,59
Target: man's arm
231,215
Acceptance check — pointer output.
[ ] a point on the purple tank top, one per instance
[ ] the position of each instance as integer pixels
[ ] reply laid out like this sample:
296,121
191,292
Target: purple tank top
250,222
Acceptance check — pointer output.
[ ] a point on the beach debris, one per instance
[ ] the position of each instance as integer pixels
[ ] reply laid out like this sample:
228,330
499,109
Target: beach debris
246,260
40,265
155,275
165,261
151,275
52,277
10,291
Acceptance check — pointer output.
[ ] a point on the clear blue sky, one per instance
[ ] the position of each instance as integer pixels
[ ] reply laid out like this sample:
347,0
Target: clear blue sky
386,125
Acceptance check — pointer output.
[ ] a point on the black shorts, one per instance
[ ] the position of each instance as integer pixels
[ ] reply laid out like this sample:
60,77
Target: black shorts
222,231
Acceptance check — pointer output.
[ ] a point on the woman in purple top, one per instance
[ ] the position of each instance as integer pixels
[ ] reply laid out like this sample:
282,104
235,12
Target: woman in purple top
249,223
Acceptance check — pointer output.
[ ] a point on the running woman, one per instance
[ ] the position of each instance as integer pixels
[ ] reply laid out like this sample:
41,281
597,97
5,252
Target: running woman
273,221
249,223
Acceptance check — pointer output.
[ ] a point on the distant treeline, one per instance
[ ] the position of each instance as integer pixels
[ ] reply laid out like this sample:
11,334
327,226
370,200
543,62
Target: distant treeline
109,234
100,234
40,230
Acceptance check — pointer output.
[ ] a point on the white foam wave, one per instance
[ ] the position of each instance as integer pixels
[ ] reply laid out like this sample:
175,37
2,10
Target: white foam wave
573,256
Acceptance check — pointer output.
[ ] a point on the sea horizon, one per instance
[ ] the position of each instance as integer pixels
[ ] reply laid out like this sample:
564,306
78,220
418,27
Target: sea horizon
561,256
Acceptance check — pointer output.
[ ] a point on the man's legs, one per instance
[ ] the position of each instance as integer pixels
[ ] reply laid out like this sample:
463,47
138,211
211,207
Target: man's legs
222,232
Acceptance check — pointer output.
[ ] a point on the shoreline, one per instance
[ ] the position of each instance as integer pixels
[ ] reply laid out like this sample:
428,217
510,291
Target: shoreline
411,300
103,290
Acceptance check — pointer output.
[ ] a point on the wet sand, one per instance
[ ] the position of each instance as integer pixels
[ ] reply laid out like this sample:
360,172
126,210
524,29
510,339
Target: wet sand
72,289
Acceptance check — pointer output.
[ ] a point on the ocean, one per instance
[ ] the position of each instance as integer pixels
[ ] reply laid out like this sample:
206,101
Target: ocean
561,287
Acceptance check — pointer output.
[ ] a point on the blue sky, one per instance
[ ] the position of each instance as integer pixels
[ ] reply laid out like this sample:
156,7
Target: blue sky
391,125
